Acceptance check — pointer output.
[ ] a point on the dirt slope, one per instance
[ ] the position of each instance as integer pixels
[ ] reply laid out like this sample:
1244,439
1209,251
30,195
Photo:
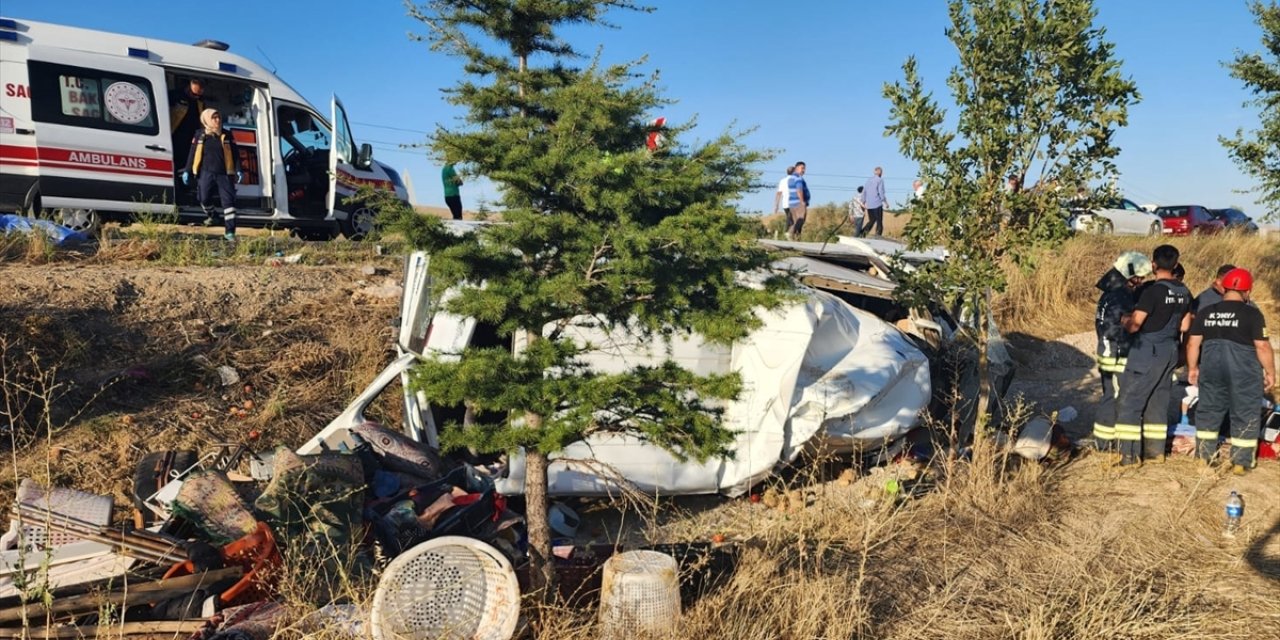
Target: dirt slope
128,354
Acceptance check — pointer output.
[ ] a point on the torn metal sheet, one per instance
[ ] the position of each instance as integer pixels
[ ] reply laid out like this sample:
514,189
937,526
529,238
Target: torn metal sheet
817,373
827,276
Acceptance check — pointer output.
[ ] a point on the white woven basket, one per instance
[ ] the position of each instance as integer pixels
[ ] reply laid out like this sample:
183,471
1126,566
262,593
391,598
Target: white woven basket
89,507
640,592
448,588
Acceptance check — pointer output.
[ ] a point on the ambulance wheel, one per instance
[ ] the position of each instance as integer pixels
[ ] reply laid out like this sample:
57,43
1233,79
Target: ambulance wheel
86,221
359,224
1104,227
1156,229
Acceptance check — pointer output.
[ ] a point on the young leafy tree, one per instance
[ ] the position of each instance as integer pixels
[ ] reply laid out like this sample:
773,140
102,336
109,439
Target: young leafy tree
1038,95
596,231
1258,152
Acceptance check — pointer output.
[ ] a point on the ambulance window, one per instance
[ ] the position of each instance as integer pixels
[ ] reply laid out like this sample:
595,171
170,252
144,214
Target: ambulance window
302,132
79,97
82,97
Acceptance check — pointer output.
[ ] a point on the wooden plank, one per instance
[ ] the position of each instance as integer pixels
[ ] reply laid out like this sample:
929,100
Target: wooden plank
166,629
144,593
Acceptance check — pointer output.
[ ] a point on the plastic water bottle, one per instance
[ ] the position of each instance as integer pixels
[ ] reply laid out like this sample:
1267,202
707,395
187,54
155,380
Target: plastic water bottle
1235,511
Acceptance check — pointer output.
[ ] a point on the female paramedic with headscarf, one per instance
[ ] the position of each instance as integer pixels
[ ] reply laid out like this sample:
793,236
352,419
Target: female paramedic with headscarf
214,165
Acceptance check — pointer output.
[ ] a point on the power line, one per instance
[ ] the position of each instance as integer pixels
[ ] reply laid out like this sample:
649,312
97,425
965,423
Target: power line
398,144
838,175
1141,193
404,151
383,126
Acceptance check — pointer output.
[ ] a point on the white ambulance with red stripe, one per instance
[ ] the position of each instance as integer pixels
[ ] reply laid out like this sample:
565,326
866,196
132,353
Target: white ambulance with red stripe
86,136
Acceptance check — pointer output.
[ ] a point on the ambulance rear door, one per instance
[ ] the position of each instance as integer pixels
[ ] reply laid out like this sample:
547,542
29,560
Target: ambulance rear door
102,131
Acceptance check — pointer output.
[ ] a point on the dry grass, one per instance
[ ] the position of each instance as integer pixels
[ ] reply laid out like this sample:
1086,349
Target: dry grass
999,550
1057,296
827,221
162,244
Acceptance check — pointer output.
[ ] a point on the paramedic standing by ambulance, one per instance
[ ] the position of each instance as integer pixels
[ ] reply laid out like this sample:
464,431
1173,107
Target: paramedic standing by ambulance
213,159
185,107
1114,306
1161,314
1229,356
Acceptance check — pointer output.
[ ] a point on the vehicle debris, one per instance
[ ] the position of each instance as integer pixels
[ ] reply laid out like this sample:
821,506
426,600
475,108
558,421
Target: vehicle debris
842,369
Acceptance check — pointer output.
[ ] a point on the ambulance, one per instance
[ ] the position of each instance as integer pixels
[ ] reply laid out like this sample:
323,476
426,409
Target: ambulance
86,135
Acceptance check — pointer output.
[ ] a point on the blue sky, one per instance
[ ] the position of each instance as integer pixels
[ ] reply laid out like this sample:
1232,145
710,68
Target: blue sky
808,77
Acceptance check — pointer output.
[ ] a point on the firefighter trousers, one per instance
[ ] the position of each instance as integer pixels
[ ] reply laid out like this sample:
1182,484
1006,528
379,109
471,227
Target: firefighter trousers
1104,417
207,183
1142,411
1230,386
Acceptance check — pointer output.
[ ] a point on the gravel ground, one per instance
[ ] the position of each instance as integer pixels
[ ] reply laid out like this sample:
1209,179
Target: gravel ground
1059,374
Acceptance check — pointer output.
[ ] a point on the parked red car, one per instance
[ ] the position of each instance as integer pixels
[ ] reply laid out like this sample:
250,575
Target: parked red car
1186,219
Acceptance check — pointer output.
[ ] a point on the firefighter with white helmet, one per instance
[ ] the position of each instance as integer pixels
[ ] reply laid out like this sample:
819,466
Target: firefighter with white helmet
1116,302
1229,357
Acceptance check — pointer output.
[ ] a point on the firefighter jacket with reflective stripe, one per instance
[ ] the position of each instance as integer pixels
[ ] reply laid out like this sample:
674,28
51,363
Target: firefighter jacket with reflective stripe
1113,341
217,155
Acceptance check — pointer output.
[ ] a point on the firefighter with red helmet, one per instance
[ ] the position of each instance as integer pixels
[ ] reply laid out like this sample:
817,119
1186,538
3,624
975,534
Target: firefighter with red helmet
1229,357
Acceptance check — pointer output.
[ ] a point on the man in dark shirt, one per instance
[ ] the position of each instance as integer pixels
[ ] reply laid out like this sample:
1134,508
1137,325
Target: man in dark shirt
1161,314
1229,357
1213,293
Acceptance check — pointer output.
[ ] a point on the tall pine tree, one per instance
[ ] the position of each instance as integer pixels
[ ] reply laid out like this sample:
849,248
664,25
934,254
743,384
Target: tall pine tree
596,231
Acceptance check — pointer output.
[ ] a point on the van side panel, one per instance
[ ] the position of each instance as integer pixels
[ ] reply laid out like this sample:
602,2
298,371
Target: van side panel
19,166
102,129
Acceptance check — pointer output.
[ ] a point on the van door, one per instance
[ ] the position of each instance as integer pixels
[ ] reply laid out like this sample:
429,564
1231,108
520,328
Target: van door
102,131
348,172
342,150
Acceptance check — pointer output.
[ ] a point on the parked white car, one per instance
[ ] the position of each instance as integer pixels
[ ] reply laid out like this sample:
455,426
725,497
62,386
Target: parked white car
1122,217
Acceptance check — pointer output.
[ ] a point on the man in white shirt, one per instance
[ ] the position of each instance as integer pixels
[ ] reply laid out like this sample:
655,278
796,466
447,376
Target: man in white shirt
782,194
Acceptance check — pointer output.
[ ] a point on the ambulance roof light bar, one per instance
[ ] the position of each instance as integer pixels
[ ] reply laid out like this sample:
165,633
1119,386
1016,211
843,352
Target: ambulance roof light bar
217,45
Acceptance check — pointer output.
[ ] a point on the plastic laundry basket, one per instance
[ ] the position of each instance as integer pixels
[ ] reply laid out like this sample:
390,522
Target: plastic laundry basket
449,588
87,507
640,592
